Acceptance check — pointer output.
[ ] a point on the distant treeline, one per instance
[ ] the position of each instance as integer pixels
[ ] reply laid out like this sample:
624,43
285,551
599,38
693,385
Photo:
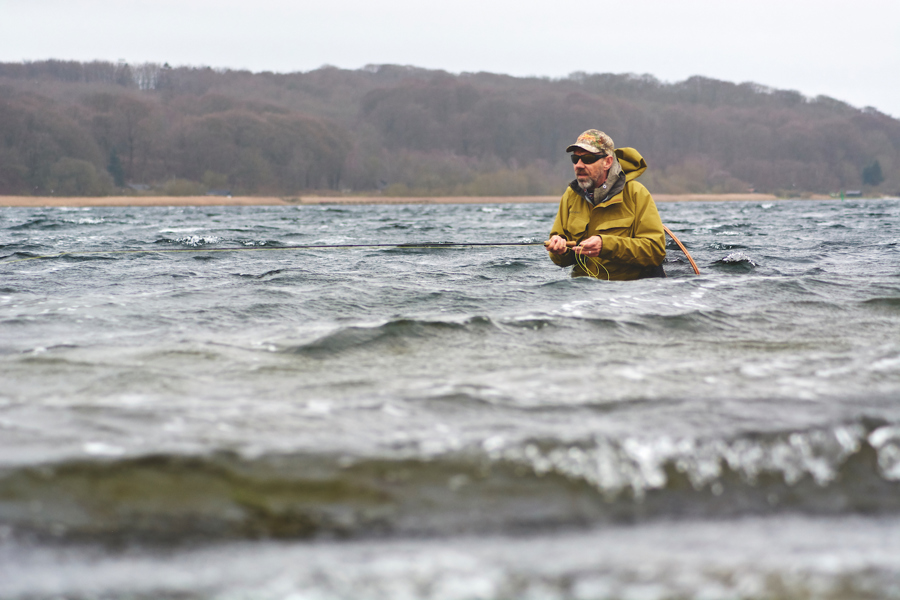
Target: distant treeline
70,128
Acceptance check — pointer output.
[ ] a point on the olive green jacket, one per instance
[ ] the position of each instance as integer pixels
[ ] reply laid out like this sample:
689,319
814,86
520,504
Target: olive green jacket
634,241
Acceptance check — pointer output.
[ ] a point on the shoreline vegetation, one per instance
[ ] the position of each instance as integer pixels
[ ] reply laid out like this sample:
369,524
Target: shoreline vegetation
99,129
80,201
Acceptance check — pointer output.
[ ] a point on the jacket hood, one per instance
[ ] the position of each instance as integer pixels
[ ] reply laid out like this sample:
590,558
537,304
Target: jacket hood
629,166
632,163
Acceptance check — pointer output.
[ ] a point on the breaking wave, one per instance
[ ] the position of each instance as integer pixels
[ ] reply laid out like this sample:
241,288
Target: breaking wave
492,486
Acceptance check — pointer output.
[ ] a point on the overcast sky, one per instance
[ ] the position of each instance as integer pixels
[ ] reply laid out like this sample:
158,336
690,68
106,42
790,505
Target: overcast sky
846,50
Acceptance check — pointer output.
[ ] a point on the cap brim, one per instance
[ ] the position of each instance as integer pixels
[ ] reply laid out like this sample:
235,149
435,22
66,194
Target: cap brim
585,147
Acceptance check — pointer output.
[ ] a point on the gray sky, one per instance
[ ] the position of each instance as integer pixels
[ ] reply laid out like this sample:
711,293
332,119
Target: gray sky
846,50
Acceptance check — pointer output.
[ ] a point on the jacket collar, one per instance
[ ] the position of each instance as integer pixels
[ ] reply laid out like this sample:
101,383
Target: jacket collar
603,195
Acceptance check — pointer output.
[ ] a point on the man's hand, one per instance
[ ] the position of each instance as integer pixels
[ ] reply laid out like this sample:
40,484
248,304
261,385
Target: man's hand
557,245
590,246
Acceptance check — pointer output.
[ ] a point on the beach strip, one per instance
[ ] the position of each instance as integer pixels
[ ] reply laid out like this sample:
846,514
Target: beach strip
76,201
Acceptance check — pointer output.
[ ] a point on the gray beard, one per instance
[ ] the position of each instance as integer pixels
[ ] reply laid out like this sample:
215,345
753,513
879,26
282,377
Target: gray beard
586,185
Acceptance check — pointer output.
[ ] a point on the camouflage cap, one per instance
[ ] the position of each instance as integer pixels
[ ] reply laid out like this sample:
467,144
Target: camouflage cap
595,142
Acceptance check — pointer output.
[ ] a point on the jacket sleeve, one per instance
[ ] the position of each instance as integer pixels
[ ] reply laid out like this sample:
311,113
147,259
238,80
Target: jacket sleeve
562,217
648,246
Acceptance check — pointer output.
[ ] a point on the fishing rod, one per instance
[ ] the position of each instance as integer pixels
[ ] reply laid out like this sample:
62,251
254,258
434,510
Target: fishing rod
271,248
683,249
420,245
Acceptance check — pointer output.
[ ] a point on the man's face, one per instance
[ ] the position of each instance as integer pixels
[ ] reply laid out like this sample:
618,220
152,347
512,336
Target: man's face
595,174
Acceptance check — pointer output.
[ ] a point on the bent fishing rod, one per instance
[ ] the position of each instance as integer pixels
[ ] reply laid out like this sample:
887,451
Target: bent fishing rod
420,245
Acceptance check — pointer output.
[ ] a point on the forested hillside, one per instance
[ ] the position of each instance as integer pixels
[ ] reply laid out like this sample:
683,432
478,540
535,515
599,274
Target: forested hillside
69,128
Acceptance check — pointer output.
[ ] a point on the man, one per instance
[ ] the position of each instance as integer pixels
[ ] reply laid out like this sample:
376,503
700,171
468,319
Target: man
611,217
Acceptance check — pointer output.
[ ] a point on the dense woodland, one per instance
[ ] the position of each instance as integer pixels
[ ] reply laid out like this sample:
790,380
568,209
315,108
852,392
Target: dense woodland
70,128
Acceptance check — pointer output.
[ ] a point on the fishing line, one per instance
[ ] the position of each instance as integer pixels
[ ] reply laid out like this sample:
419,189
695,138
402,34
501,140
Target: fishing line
263,248
585,261
582,261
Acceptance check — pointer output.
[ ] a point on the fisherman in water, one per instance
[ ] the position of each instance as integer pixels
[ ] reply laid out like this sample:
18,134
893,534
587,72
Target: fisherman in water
611,217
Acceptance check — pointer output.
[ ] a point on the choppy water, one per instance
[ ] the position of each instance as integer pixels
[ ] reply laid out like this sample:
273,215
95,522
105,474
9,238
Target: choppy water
447,423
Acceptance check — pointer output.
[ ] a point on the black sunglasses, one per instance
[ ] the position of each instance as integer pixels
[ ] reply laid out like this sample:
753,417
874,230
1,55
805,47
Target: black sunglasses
587,159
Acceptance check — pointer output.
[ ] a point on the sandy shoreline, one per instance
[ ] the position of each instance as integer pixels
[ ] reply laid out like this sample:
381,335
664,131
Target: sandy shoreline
37,201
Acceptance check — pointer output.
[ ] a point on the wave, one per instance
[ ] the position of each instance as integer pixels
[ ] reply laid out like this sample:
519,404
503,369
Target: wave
40,223
364,338
54,255
369,338
493,486
271,274
192,241
739,260
883,304
510,265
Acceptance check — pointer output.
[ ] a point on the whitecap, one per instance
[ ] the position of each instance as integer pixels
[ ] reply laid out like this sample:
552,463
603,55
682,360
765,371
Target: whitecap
102,449
738,257
197,240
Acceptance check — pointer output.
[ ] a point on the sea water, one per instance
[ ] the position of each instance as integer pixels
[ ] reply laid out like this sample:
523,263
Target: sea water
447,423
